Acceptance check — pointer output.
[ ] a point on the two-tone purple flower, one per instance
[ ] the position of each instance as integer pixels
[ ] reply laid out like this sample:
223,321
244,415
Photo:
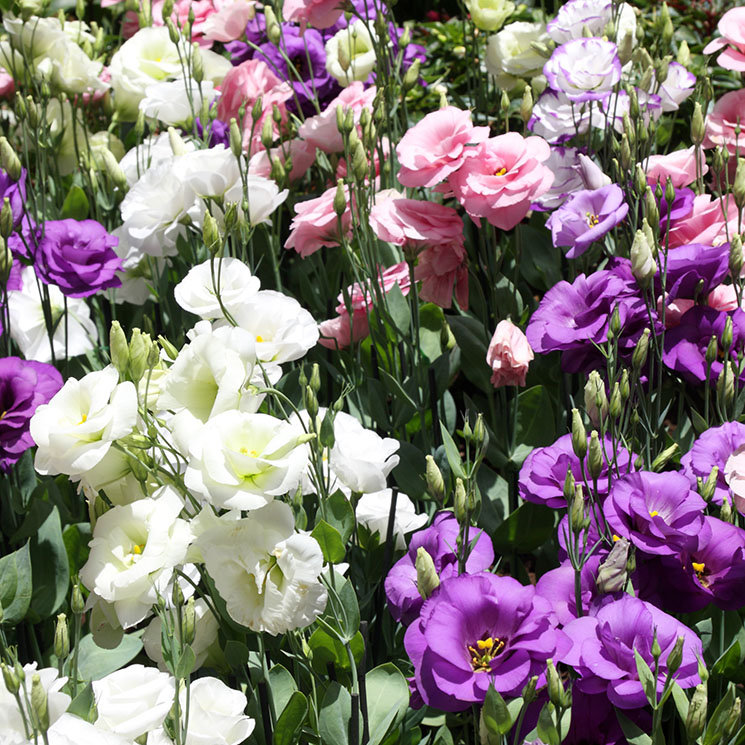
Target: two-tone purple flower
478,630
584,69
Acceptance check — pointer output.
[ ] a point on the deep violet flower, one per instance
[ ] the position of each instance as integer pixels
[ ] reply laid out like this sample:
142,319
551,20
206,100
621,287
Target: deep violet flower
24,386
657,512
440,542
693,269
557,586
603,650
713,448
78,257
543,473
15,193
586,217
476,630
686,343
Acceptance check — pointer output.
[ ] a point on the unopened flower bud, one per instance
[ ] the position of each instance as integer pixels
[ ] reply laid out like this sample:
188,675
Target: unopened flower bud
411,76
178,147
643,265
459,501
577,515
118,348
504,103
675,657
6,218
267,133
662,67
726,384
624,386
526,105
612,571
615,406
735,255
555,687
189,621
684,54
315,377
596,400
663,458
625,152
12,684
595,455
733,720
639,357
614,325
359,163
651,210
640,179
77,603
629,129
698,130
625,47
708,487
9,160
39,704
726,512
435,482
427,579
167,347
340,199
197,64
528,692
326,436
712,350
236,139
139,351
311,402
727,335
211,234
257,109
61,637
569,486
696,717
655,649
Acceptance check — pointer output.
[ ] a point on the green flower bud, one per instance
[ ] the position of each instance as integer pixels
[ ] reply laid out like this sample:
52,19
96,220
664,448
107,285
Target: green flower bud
311,402
733,720
656,650
735,255
32,113
684,54
61,637
726,513
6,219
139,351
615,406
727,335
625,387
167,347
639,357
555,686
676,656
189,621
360,165
662,459
577,516
9,160
411,76
435,482
625,47
267,133
698,129
595,455
569,487
579,434
211,234
712,350
236,139
459,501
504,103
12,684
178,147
626,160
662,66
640,179
629,130
738,189
709,486
612,571
726,384
118,348
596,400
340,199
39,704
651,210
327,436
528,693
526,105
77,603
643,265
696,717
427,579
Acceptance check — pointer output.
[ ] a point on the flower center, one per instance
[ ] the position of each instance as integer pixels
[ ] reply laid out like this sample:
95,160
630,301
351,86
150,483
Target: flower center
83,419
700,569
259,338
484,652
501,171
654,513
592,220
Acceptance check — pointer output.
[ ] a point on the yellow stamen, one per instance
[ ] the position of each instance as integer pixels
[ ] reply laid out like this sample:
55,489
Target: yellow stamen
484,652
244,451
501,171
654,513
137,549
259,338
698,568
616,538
83,420
592,220
2,416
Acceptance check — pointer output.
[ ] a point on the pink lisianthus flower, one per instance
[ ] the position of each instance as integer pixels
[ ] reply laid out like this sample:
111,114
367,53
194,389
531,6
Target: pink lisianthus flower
732,28
229,20
202,9
316,13
321,130
7,85
301,154
709,223
509,355
315,224
680,166
340,332
443,269
722,121
503,178
437,146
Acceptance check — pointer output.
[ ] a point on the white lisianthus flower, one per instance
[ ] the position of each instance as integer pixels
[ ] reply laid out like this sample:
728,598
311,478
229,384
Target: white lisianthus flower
374,509
265,571
133,551
214,373
283,329
212,172
205,635
169,101
263,196
133,701
11,720
72,730
240,461
489,15
511,56
72,336
75,430
150,153
197,292
140,271
350,53
113,475
146,58
574,17
215,715
360,458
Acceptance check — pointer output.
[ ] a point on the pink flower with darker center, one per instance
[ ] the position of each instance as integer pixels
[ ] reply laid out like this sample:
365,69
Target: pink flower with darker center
710,222
732,28
509,355
680,166
504,177
437,146
442,270
728,112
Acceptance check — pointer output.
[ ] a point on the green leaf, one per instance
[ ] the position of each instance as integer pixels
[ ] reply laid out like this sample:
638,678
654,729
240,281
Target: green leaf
291,720
409,473
334,716
495,714
527,528
340,515
470,335
431,322
330,542
82,704
646,676
342,613
494,498
282,686
546,728
398,309
16,585
76,204
443,736
681,701
326,649
730,665
634,735
95,662
387,700
49,565
452,454
535,425
185,663
76,538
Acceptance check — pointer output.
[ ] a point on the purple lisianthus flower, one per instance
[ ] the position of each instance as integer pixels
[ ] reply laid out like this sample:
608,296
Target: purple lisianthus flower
308,55
24,386
603,650
440,542
239,50
594,721
542,475
15,193
713,448
78,256
681,207
586,217
557,119
693,270
584,69
712,573
618,103
557,586
478,630
686,344
573,171
657,512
